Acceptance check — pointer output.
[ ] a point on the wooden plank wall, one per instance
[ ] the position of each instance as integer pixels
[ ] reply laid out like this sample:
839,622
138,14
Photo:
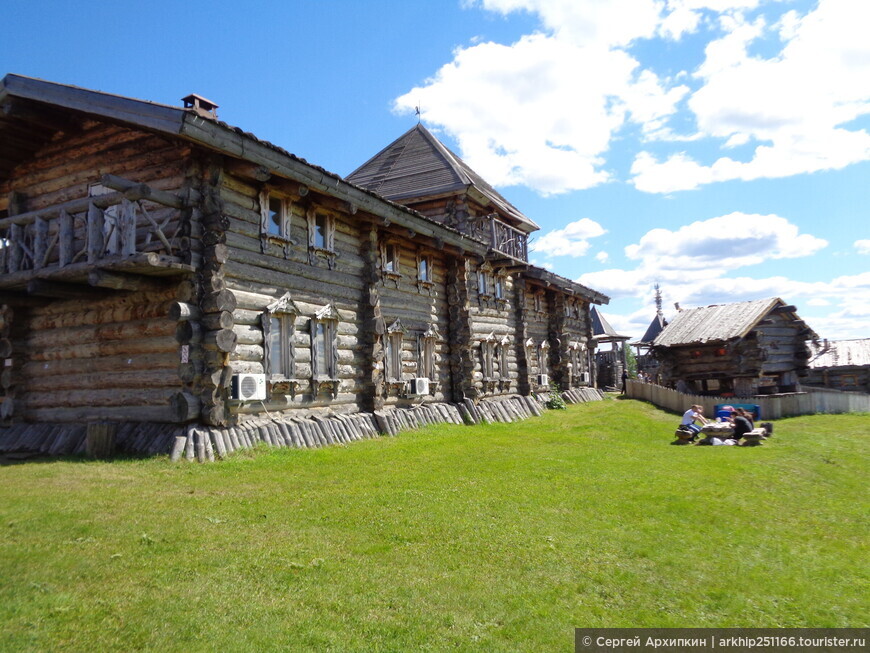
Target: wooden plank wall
791,405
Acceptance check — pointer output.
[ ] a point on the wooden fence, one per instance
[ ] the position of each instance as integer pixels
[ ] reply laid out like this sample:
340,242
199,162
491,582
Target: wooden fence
814,400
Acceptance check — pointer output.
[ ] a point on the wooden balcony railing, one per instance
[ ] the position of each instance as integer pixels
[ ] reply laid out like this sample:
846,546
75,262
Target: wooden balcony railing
115,227
502,237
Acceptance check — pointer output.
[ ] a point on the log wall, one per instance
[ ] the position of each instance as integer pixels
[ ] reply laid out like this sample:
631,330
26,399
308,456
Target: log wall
260,271
111,355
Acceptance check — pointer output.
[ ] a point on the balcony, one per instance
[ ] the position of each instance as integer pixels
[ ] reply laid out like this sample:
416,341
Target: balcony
99,241
501,237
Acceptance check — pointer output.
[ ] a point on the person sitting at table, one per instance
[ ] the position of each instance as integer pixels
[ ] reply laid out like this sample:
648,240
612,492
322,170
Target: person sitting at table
742,422
690,417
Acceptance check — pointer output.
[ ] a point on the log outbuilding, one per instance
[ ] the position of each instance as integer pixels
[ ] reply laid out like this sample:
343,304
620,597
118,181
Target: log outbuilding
744,349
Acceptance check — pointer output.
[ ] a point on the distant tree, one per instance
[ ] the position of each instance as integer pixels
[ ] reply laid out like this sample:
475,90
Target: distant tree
631,362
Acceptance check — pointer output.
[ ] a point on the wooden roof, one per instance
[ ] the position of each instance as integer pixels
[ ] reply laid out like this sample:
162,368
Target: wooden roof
652,331
601,329
716,323
837,353
565,285
417,165
34,110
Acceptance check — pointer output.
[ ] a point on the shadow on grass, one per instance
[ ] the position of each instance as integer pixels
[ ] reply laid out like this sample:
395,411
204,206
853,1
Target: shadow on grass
31,458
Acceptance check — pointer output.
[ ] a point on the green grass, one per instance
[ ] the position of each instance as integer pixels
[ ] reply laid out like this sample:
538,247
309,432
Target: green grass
500,537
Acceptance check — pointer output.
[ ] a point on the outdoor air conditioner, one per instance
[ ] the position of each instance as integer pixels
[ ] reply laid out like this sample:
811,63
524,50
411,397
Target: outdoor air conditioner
249,387
543,379
420,386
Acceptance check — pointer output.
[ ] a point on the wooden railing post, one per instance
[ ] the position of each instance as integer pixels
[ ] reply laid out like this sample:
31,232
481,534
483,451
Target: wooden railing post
95,233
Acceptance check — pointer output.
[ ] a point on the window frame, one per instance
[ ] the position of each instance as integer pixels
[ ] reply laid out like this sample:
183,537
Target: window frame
325,250
286,312
391,259
327,318
286,214
426,364
544,357
393,352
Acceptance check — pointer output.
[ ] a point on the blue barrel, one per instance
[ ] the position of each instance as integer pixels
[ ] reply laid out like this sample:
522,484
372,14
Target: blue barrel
753,409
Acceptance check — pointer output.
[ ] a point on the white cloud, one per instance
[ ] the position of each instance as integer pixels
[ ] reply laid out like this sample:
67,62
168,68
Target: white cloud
543,111
602,257
796,105
572,240
723,243
863,246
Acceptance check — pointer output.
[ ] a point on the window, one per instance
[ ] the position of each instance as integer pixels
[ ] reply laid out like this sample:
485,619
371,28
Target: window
393,359
426,353
324,347
274,215
539,302
482,286
501,356
424,269
321,231
279,332
544,358
391,259
498,291
488,357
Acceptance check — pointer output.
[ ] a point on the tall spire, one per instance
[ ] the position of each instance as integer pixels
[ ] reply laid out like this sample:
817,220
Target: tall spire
658,300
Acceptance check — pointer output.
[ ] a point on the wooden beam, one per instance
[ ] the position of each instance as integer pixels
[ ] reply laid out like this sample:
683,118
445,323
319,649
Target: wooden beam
59,290
114,280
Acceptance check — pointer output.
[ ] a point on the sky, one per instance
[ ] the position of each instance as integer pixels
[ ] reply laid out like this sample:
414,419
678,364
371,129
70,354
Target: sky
717,148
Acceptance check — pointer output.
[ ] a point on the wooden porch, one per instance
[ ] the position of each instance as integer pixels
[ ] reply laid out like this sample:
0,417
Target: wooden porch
108,241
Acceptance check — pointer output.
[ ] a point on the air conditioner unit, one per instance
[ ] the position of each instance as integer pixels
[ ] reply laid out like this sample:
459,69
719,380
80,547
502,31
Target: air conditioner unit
249,387
419,386
543,379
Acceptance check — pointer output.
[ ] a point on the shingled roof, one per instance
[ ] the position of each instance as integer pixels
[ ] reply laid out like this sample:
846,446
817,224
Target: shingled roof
840,353
652,331
601,329
717,323
418,165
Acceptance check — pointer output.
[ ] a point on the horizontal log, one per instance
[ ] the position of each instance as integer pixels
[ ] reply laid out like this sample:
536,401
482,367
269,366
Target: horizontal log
130,348
115,413
217,302
86,379
179,311
223,340
185,406
116,397
216,321
39,369
101,333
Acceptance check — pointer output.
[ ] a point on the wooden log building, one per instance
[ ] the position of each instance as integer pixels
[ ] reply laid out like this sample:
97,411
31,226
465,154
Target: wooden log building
740,349
840,365
160,267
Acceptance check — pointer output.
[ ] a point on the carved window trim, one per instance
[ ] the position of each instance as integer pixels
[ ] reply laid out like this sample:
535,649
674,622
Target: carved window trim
425,276
267,194
487,358
323,249
395,339
391,260
484,281
324,335
544,357
286,312
426,364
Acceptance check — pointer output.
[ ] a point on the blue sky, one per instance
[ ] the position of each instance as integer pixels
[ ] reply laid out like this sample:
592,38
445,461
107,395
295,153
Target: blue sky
719,148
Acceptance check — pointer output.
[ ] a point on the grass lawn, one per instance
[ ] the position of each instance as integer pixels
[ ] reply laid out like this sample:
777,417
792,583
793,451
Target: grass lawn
496,538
